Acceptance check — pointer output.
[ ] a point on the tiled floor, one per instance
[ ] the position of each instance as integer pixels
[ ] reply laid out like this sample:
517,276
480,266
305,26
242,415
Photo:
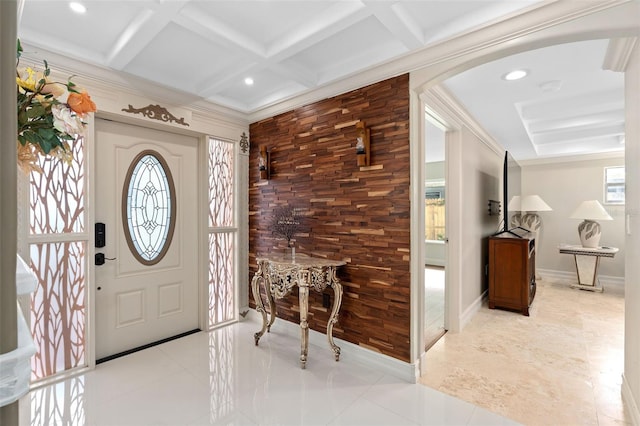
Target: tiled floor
434,304
222,378
562,365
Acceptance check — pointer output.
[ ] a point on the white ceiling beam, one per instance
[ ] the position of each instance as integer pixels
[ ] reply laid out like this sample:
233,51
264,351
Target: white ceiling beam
141,31
399,22
594,146
579,134
568,107
221,33
337,18
555,124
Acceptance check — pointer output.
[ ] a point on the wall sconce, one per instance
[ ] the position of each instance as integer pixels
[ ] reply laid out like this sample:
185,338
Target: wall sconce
363,151
264,163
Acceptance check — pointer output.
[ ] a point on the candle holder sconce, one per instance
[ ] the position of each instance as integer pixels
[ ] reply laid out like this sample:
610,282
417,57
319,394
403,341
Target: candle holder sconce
264,163
363,144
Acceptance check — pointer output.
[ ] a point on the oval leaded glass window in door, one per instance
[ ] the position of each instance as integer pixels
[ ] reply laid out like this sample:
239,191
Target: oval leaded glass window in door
148,207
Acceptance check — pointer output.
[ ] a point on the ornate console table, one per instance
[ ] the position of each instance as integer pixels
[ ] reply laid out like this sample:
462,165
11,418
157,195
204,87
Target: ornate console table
280,274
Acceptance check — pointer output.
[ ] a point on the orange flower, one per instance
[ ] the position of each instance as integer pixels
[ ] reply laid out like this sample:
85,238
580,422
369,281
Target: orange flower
81,103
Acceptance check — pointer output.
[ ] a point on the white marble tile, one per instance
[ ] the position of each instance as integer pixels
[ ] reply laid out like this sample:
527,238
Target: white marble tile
366,413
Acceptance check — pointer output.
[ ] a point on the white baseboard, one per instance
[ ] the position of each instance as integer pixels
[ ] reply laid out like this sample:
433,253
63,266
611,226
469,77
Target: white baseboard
400,369
610,283
472,309
630,402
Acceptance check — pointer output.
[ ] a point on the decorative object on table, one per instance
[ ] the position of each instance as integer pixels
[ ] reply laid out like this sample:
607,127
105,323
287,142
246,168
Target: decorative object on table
264,162
589,230
50,115
514,206
530,205
285,223
363,144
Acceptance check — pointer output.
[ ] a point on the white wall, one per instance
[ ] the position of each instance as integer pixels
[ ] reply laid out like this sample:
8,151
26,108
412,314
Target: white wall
474,175
631,384
481,182
564,185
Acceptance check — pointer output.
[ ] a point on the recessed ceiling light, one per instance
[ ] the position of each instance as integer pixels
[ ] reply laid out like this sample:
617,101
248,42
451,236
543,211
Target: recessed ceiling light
248,81
77,7
515,75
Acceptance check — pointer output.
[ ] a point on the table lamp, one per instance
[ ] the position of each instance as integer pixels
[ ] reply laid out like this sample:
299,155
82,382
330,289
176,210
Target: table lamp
589,229
530,204
514,206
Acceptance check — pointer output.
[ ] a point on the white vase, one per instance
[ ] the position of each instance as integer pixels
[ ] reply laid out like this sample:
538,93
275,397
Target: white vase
590,233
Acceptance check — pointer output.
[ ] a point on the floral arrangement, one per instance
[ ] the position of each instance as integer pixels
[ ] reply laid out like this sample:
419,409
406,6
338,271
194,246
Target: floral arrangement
47,119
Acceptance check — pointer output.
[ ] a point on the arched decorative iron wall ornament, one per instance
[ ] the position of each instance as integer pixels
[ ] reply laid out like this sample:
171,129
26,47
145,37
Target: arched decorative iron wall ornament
148,207
156,112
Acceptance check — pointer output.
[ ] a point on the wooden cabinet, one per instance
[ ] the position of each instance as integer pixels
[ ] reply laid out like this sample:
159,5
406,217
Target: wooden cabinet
512,266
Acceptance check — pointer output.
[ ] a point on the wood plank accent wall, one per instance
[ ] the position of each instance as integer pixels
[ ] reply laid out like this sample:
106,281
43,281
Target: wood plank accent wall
356,214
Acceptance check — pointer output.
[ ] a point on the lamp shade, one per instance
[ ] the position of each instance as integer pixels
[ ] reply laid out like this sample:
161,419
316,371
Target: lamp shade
514,204
590,210
533,203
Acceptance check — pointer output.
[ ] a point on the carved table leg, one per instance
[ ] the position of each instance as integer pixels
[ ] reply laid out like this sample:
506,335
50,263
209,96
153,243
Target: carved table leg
255,287
303,295
337,290
272,303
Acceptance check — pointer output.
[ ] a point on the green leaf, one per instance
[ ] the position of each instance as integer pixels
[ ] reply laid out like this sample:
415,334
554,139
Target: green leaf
35,111
22,118
19,48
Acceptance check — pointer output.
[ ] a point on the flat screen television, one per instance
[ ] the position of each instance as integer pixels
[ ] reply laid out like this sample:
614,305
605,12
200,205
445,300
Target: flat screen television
512,181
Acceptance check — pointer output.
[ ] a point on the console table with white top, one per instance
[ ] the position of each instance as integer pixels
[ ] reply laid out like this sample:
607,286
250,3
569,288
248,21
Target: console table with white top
279,274
587,260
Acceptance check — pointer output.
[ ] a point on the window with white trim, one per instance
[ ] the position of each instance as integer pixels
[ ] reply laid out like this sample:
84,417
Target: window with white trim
614,184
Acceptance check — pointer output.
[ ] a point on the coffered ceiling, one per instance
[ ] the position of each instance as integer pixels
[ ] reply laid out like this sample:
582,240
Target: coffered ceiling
207,49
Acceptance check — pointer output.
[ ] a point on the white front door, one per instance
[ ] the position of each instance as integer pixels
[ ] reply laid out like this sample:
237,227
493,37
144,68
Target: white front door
147,289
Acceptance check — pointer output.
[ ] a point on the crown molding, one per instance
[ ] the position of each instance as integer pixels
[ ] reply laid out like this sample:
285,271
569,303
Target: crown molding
541,161
618,53
445,103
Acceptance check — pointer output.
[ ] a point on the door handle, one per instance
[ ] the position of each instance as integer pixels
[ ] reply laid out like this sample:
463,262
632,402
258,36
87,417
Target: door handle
100,259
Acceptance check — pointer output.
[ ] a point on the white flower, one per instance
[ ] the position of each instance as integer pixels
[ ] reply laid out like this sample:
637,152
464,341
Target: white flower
66,121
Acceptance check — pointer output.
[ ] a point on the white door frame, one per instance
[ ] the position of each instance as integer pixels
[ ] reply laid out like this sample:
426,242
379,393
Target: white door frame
426,104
